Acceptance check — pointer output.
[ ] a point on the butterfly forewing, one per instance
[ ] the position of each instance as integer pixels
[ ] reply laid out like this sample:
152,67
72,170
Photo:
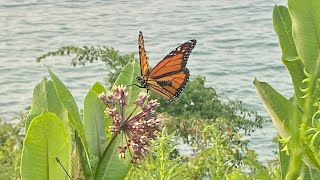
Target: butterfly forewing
176,60
143,56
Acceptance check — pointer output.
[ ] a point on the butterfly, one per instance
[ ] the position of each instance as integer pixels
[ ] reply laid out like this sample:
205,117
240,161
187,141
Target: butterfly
170,76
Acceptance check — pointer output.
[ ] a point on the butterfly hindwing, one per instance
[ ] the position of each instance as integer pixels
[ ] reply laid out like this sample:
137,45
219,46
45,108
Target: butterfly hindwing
155,87
171,86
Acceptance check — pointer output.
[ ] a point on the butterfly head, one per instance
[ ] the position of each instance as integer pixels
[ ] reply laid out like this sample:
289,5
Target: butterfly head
142,81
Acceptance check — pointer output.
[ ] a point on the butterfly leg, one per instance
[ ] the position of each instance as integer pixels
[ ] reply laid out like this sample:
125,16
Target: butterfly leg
136,85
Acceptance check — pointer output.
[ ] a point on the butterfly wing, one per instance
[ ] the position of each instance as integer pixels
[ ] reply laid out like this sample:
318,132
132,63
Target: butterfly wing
144,66
170,86
170,75
155,87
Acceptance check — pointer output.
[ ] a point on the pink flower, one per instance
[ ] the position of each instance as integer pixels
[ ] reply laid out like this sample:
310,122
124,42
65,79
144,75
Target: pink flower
139,129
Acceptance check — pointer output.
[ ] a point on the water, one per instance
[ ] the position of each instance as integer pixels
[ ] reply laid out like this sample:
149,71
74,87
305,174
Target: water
236,43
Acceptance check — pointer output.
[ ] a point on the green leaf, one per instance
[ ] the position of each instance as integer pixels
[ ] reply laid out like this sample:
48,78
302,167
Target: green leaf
98,88
236,176
311,157
128,77
84,160
70,105
295,68
94,126
45,140
311,174
68,101
285,116
305,15
283,27
110,165
45,98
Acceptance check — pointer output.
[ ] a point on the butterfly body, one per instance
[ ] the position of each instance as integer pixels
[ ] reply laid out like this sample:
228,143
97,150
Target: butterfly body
169,77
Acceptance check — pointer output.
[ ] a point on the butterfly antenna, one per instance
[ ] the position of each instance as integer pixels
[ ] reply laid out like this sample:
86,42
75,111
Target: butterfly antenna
58,160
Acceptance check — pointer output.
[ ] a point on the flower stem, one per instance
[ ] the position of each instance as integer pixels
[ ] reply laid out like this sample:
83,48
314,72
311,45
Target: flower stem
105,153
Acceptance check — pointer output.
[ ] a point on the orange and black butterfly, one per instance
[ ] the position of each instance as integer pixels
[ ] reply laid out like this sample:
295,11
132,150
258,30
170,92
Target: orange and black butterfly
170,75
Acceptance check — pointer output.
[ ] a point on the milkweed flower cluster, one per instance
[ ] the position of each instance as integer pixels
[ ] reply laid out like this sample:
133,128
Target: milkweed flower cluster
137,130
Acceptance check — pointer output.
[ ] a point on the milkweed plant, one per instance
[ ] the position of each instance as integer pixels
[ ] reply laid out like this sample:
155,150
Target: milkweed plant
115,130
297,118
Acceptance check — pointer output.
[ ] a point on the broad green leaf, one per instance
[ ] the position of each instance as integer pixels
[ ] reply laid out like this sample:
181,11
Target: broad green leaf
311,157
46,139
76,164
45,98
110,165
94,126
70,105
305,15
311,174
68,102
283,27
295,68
98,88
127,77
84,160
285,116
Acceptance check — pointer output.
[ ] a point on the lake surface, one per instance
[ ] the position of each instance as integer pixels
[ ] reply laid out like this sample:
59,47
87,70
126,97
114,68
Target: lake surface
236,43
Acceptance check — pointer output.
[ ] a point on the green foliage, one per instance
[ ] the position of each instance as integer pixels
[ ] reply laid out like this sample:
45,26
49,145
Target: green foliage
217,156
212,162
200,106
159,164
297,120
112,58
11,137
213,127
